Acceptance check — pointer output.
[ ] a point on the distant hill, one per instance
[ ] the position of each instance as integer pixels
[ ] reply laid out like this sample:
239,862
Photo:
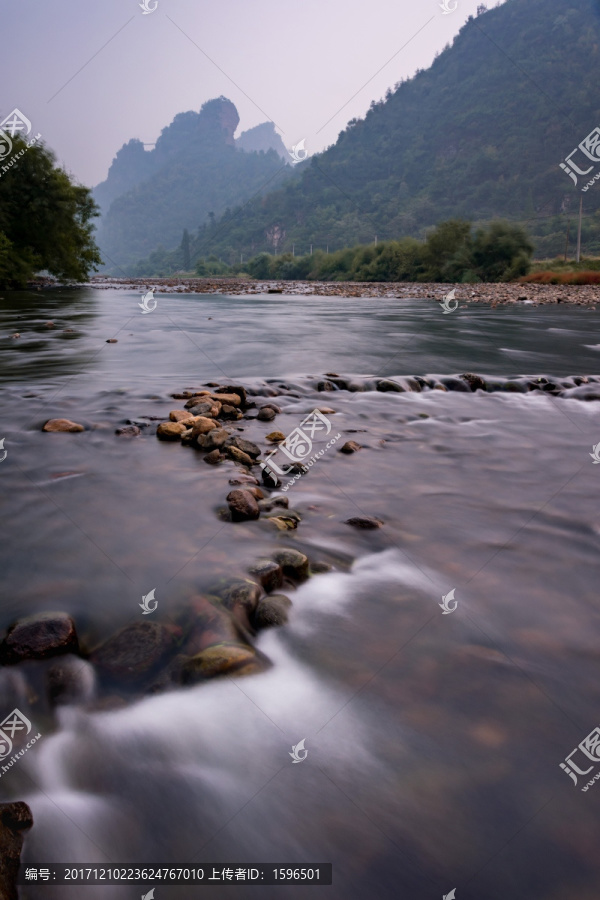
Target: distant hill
196,171
480,134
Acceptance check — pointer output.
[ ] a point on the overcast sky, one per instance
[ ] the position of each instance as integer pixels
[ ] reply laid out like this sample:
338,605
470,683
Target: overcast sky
91,74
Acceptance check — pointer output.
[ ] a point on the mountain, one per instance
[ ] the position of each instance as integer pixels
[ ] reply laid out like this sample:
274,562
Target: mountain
478,135
262,138
195,172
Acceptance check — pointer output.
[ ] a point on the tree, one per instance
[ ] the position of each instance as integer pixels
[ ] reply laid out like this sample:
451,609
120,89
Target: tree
501,252
185,248
45,220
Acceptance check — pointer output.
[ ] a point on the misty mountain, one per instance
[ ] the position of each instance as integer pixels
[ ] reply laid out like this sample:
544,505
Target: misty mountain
196,171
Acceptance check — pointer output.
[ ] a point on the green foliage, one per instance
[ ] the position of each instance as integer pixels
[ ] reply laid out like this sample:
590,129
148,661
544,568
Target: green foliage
212,267
451,253
45,220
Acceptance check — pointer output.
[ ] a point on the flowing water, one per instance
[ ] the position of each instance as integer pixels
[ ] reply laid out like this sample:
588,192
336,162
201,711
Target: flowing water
434,741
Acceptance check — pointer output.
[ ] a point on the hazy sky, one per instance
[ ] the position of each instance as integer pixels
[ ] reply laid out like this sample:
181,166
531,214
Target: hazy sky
91,74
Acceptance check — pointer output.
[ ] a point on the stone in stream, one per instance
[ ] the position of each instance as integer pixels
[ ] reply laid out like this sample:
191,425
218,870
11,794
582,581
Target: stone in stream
475,382
350,447
239,456
230,412
293,563
367,522
270,503
128,431
170,431
240,597
233,389
228,399
248,447
454,384
243,479
202,425
180,415
213,458
134,651
213,440
266,414
268,573
386,384
223,659
57,425
70,680
15,818
275,437
38,637
242,505
272,611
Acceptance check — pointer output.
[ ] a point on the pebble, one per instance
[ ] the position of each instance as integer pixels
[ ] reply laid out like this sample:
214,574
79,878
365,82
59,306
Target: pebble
272,611
132,652
364,522
39,636
350,447
268,573
275,437
213,457
242,505
266,414
293,563
170,431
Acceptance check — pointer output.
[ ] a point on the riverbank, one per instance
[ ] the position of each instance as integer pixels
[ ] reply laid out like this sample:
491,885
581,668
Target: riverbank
494,294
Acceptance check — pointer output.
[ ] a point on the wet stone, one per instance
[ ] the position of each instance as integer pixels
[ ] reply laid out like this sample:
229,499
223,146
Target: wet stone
170,431
350,447
239,456
213,458
248,447
293,563
221,659
58,425
70,680
134,651
39,637
242,505
128,431
272,611
15,818
268,573
266,414
367,522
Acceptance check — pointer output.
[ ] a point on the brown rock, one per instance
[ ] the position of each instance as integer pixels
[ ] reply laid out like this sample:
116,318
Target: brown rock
70,680
202,425
268,573
272,611
239,456
276,437
364,522
180,415
233,389
271,405
213,440
293,563
266,414
245,446
170,431
112,341
128,431
229,399
350,447
243,479
271,502
242,505
39,636
62,425
15,818
222,659
212,458
134,651
207,623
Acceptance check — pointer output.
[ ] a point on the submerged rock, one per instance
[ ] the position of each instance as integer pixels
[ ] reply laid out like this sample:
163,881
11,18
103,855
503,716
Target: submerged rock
170,431
56,425
222,659
39,636
266,414
272,611
15,818
268,573
350,447
364,522
71,680
213,440
239,456
275,437
128,431
247,447
134,651
293,563
213,458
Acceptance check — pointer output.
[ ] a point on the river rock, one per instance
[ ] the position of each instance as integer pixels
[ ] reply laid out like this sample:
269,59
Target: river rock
475,382
128,431
248,447
213,440
230,412
112,341
386,384
70,680
454,384
364,522
228,399
132,652
266,414
240,597
325,386
272,611
242,505
243,479
233,389
55,425
268,573
207,622
180,415
350,447
272,502
170,431
202,425
270,478
293,563
39,636
275,437
213,458
239,456
221,659
15,818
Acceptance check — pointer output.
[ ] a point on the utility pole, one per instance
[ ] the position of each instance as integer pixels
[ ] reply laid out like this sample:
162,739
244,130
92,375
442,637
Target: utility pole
579,229
311,249
293,249
375,240
567,241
